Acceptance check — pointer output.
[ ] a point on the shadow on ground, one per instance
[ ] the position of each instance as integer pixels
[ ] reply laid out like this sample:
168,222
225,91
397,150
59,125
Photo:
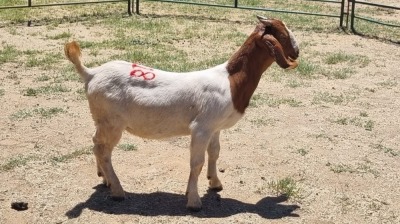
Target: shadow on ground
162,203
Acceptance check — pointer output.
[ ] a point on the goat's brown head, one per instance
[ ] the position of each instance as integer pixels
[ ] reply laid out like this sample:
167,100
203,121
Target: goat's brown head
279,41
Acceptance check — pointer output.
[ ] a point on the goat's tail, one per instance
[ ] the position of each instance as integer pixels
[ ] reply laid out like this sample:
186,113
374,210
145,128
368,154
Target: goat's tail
73,53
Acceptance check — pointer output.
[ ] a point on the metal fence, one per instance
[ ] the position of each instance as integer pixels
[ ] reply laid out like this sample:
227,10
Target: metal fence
355,16
345,9
30,4
237,4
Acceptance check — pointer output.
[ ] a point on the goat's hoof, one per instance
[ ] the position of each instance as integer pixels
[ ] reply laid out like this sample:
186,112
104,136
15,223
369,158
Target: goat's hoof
106,184
216,189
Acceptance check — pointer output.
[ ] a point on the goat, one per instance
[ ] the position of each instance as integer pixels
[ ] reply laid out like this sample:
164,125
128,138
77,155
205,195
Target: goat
156,104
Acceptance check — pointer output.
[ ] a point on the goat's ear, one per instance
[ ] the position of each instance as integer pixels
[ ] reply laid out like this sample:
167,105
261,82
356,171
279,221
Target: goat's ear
264,21
277,51
261,18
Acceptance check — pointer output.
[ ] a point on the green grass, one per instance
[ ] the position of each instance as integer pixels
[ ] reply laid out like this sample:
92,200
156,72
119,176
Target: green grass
336,99
263,121
341,168
127,147
286,187
15,162
307,69
378,31
43,78
66,74
8,54
45,61
72,155
258,100
360,168
336,58
46,90
390,83
294,83
20,160
302,151
351,59
63,35
40,112
387,150
341,73
356,121
326,97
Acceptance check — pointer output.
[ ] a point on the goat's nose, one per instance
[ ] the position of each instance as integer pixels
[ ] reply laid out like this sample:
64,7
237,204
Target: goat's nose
296,53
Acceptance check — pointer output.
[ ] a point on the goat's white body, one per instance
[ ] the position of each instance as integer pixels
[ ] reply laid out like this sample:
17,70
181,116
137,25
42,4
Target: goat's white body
156,104
171,104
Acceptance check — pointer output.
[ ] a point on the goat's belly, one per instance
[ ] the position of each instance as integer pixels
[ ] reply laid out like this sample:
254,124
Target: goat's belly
159,128
158,132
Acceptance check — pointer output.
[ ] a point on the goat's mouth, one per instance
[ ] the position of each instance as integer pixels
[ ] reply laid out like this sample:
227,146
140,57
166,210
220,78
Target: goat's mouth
294,56
292,59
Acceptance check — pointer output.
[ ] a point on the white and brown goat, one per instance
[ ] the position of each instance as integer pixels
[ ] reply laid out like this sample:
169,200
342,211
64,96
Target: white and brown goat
156,104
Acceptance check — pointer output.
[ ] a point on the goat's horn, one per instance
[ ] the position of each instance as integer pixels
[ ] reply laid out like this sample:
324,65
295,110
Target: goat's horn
277,51
261,18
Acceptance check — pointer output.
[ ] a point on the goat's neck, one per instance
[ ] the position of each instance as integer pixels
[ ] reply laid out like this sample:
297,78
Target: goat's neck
245,68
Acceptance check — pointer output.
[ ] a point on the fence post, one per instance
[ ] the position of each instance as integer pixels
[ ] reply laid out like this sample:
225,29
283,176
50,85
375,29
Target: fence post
353,6
137,7
236,3
341,13
29,5
130,7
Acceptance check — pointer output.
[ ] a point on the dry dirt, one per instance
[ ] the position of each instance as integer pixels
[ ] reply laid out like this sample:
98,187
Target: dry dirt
346,174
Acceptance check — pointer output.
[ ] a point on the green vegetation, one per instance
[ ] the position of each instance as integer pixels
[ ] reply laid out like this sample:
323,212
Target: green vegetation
387,150
48,89
356,121
14,162
340,99
287,187
41,112
302,151
307,69
8,54
258,100
127,147
72,155
351,59
63,35
44,60
360,168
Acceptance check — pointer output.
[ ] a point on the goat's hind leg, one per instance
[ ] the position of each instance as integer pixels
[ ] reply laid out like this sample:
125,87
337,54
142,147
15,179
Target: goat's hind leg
213,154
104,139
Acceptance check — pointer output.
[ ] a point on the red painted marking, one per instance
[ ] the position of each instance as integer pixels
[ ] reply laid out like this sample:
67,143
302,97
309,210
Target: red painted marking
141,71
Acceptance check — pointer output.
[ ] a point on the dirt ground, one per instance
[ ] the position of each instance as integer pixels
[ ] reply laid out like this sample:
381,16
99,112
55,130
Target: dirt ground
347,171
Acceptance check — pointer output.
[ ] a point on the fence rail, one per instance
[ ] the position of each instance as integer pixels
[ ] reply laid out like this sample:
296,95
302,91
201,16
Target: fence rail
354,15
236,4
30,5
343,13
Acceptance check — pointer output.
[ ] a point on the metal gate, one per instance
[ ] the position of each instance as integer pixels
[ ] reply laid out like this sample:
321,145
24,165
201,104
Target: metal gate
237,4
30,4
356,3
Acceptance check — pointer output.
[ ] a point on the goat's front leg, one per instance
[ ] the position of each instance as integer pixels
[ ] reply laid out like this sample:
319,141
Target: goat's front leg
213,154
198,146
104,141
